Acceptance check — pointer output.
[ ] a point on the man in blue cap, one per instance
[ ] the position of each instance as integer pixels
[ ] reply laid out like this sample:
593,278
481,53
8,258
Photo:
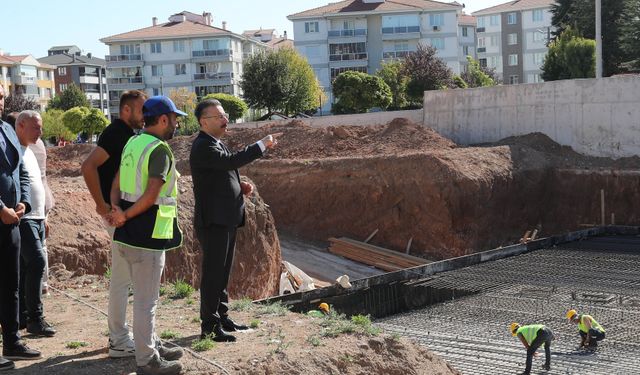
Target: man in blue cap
147,226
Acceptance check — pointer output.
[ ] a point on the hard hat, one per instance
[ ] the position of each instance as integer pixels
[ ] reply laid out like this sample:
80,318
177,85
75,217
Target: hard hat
571,313
514,328
324,307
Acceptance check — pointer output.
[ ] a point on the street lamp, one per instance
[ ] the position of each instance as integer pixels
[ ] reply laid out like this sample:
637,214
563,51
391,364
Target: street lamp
598,38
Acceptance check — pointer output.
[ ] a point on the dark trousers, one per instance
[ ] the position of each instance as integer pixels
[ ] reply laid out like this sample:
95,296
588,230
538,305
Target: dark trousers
544,337
594,335
9,281
218,245
32,264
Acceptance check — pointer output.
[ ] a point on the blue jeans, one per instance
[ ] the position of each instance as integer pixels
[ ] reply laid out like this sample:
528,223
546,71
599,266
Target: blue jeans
32,264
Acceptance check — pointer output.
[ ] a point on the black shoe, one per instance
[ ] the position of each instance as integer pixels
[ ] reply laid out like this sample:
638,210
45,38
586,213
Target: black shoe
218,335
20,351
230,326
546,367
6,364
40,327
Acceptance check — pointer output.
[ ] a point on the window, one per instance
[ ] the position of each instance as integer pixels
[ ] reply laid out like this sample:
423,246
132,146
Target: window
156,70
512,18
493,41
465,31
493,62
539,36
348,25
437,43
494,20
129,49
401,46
63,86
513,80
538,58
512,39
537,15
483,62
156,91
210,45
436,19
62,71
336,71
513,60
311,27
178,46
156,47
181,69
465,51
481,21
481,42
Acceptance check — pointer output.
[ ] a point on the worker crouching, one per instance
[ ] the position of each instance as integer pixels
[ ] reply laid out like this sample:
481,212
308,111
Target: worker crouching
532,337
590,330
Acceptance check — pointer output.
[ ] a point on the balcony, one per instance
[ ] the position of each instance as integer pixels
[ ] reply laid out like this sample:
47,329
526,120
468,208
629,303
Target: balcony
401,29
480,29
347,33
119,58
227,76
348,56
395,54
482,49
213,54
25,80
124,80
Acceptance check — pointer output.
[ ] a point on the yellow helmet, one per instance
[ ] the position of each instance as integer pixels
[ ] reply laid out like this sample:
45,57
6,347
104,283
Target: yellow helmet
324,307
514,327
571,313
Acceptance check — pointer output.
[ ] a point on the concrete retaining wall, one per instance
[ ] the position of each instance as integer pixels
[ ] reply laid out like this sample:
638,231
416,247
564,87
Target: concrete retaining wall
362,119
599,117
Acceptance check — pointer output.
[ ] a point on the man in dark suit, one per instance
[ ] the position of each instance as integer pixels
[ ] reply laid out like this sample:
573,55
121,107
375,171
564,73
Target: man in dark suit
14,203
219,211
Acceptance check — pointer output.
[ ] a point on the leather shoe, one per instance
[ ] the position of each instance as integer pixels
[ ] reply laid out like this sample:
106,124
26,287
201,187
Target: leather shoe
218,335
230,326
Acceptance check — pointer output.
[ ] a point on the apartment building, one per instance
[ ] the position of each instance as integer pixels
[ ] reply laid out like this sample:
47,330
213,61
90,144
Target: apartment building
270,37
360,34
25,75
467,39
513,38
87,72
185,52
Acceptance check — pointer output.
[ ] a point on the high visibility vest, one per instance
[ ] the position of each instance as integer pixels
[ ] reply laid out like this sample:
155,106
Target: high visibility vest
595,325
134,177
529,332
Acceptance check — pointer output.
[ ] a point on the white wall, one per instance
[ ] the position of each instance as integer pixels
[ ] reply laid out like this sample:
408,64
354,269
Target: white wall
595,117
299,30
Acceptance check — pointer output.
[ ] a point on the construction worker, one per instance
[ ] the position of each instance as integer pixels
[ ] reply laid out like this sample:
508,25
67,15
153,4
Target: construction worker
590,330
532,337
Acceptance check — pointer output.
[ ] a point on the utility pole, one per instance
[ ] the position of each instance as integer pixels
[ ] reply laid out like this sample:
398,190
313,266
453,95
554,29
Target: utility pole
598,38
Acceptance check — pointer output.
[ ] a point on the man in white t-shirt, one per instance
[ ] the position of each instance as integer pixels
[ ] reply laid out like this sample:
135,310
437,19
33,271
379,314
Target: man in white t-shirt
32,231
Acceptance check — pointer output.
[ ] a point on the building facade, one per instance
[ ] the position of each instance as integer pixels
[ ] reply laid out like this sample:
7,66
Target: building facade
186,52
513,39
25,75
86,72
467,39
361,34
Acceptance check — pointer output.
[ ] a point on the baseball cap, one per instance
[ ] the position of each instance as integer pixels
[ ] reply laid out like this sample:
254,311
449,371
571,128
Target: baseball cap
160,105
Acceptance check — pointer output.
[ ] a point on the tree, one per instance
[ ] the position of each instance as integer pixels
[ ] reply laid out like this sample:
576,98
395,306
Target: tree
426,72
94,123
476,75
357,92
73,119
569,56
85,120
459,82
53,127
235,107
391,74
280,80
70,98
630,35
16,102
186,101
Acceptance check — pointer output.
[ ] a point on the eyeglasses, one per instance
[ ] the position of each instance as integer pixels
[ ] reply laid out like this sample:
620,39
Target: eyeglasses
217,116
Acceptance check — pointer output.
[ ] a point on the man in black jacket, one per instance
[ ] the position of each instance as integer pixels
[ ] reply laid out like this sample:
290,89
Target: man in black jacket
219,211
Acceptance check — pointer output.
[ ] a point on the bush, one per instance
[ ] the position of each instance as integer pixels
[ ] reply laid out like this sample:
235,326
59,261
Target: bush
235,107
182,289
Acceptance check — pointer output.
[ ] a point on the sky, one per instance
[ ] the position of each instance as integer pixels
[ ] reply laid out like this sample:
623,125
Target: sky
32,27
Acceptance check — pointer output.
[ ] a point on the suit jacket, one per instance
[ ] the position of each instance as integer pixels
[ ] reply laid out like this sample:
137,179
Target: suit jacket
14,179
216,181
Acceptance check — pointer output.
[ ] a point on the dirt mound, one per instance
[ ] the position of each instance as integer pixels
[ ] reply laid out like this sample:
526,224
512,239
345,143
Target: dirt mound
79,241
66,161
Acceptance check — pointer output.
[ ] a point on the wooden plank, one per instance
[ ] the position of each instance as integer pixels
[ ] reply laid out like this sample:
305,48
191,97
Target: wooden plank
371,235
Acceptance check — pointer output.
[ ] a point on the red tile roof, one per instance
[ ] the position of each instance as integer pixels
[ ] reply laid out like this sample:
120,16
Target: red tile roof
350,6
168,30
515,6
466,19
277,43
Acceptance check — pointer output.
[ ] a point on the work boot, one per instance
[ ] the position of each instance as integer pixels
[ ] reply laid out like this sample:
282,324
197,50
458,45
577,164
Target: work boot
41,327
20,351
231,326
159,366
128,349
169,354
218,335
6,364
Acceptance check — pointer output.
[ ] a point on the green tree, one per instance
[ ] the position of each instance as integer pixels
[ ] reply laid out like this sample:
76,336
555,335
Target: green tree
357,92
72,97
280,80
426,71
94,123
477,76
459,82
391,74
630,35
570,56
186,101
53,127
73,119
235,107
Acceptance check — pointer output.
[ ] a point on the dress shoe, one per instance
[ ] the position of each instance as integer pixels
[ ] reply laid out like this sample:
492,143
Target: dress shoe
230,326
218,335
6,364
41,327
20,351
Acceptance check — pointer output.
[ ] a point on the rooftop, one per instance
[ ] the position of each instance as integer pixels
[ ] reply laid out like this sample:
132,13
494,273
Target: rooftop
516,5
355,6
66,59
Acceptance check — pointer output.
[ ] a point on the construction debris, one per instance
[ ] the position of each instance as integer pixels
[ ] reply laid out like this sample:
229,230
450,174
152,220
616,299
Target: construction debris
379,257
